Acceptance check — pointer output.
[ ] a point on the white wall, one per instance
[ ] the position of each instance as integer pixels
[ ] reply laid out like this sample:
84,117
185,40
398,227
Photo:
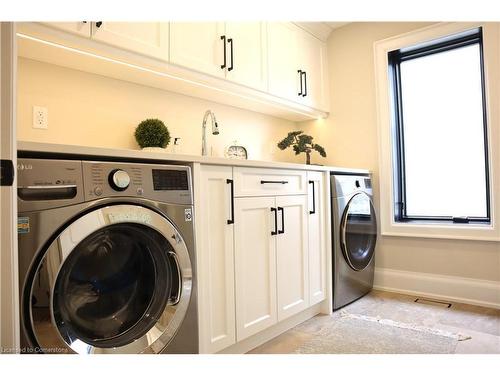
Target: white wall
92,110
350,137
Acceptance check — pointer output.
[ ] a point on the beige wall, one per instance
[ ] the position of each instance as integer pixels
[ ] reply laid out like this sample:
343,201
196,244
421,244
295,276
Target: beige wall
350,137
92,110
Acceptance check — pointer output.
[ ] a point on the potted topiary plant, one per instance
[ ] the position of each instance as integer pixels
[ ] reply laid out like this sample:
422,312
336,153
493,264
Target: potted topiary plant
152,135
301,143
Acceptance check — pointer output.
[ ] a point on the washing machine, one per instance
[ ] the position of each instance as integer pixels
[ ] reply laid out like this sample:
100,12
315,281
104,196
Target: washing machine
106,257
354,236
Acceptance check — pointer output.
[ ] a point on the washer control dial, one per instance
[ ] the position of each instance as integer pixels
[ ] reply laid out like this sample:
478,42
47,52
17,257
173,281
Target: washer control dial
119,179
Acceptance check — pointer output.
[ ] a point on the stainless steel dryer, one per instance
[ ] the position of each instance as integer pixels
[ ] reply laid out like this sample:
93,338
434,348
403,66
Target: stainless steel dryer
106,257
354,236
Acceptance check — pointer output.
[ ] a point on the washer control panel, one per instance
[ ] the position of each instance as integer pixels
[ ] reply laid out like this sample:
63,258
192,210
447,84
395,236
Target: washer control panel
163,183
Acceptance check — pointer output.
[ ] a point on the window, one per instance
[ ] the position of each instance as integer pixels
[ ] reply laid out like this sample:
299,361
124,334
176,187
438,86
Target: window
439,130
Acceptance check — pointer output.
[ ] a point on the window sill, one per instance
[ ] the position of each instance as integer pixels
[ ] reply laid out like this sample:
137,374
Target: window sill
453,231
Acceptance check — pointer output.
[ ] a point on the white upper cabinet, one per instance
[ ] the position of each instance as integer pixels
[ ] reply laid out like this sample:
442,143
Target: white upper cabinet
147,38
284,79
297,65
199,46
247,54
80,28
234,50
276,68
312,61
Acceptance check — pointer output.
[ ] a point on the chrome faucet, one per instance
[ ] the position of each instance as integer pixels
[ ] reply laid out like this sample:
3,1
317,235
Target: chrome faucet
215,130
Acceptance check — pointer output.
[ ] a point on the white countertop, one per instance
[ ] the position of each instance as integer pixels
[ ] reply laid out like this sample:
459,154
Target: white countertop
54,148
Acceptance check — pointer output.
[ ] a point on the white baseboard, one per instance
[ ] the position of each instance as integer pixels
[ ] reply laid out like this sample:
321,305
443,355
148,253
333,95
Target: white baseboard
448,288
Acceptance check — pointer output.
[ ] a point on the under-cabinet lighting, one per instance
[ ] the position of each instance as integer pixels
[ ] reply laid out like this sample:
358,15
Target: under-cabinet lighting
155,72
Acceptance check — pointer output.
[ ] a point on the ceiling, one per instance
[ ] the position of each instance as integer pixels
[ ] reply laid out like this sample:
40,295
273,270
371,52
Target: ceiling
321,30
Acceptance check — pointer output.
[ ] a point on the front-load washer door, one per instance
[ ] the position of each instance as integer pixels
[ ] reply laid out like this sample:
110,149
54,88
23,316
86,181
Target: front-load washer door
358,231
116,280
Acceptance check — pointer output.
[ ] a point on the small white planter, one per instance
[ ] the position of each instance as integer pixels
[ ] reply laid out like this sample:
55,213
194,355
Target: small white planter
153,149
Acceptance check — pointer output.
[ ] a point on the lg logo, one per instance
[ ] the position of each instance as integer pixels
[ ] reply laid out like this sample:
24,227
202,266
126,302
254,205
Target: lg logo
22,167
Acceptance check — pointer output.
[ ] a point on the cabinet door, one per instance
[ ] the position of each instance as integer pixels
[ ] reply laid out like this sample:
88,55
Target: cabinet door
317,237
147,38
292,255
284,80
312,60
198,46
216,261
255,265
249,51
80,28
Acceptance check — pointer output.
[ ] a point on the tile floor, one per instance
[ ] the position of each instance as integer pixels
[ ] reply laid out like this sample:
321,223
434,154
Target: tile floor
481,323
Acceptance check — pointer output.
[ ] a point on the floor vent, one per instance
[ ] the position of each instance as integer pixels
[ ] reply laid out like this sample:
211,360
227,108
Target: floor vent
433,302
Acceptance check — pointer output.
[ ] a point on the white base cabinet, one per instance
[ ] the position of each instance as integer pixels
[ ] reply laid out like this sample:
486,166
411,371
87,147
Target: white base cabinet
292,255
317,203
255,265
215,257
261,257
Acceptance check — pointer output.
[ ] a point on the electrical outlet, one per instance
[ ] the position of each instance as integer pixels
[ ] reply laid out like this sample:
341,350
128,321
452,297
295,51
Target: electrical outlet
40,117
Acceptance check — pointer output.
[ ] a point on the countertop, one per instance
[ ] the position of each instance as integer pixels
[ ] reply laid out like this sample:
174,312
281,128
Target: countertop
53,148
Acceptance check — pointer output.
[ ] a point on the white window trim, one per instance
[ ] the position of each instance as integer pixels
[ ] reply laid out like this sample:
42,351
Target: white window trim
388,225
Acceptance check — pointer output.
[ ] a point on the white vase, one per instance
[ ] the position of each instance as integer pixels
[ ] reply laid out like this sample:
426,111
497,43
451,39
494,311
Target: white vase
153,149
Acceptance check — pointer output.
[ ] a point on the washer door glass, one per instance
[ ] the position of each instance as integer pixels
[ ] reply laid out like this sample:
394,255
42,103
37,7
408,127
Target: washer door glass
116,280
358,231
114,285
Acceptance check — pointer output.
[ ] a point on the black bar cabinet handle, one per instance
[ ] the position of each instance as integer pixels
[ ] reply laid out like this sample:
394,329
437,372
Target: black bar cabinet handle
262,182
305,83
230,41
231,182
282,220
98,24
223,38
314,199
275,231
300,78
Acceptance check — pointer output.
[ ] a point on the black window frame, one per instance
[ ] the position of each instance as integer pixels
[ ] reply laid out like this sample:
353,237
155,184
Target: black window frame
395,58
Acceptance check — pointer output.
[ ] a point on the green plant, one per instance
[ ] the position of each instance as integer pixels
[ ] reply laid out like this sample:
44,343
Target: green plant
301,143
152,133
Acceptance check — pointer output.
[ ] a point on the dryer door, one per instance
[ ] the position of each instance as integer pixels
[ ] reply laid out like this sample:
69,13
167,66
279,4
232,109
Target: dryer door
116,280
358,231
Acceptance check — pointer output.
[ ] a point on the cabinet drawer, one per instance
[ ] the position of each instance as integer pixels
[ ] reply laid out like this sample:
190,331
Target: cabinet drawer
264,182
